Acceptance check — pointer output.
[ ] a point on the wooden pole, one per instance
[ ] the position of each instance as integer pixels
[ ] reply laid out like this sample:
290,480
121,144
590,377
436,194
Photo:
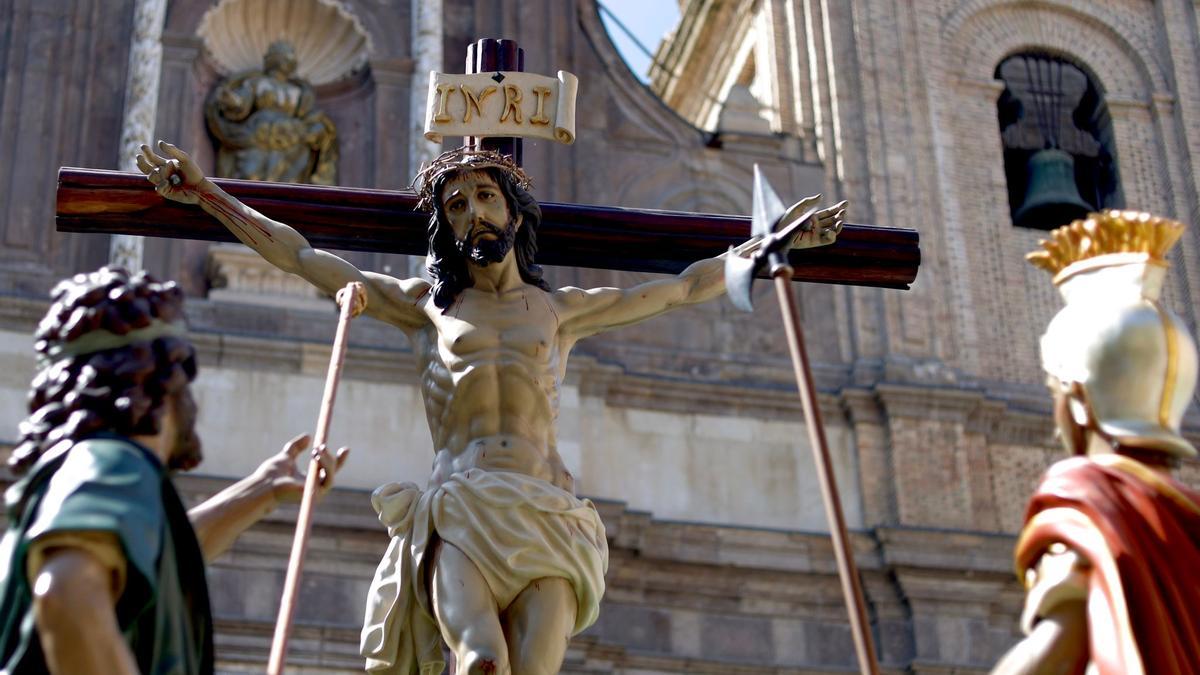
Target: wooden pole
856,606
291,585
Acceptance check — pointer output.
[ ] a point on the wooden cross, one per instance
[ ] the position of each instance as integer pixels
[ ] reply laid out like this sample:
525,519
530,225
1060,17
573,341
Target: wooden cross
574,235
570,234
113,202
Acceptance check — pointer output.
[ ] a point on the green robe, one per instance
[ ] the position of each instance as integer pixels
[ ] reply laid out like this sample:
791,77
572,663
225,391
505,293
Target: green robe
111,484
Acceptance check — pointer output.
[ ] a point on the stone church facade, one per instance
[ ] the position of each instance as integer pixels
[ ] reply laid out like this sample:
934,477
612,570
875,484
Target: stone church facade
685,431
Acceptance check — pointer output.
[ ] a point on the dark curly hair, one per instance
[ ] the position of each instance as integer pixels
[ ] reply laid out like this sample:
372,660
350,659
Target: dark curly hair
120,390
448,266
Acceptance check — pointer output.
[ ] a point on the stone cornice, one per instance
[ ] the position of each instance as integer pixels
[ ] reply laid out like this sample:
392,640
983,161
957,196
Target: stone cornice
1009,416
933,549
989,88
1120,105
21,314
862,406
996,419
630,390
728,545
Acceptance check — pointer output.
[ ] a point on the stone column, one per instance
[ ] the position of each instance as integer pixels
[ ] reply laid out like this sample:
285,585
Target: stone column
427,55
141,105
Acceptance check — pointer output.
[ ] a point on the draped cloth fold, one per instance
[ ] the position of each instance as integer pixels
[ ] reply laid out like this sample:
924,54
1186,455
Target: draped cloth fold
513,527
1139,533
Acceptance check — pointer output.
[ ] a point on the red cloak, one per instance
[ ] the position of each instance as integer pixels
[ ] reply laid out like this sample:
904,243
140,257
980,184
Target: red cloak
1140,532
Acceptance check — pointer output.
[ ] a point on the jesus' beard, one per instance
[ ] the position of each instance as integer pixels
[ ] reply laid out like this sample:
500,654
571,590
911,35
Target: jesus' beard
484,251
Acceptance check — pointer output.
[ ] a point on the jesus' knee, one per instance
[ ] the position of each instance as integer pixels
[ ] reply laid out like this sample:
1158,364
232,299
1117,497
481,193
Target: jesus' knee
483,660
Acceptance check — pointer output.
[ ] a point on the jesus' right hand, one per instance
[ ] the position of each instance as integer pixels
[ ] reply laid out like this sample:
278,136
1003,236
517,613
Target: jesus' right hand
173,173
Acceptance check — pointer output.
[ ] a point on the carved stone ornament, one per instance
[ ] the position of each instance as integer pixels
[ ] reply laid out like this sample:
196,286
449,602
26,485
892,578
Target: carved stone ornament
240,275
329,41
267,125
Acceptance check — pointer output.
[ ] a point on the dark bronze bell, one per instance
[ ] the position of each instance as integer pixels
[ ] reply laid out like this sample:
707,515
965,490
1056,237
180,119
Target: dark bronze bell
1051,195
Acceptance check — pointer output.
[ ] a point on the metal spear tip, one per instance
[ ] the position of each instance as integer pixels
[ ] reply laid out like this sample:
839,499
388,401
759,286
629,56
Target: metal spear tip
768,207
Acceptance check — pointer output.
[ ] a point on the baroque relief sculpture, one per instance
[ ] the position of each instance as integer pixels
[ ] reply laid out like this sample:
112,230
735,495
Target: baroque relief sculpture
267,126
1111,543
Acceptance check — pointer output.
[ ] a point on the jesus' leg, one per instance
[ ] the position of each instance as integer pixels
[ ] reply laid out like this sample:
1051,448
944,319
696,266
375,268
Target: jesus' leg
466,612
539,625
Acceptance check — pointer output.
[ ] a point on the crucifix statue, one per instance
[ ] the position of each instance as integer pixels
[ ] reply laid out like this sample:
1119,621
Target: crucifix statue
495,555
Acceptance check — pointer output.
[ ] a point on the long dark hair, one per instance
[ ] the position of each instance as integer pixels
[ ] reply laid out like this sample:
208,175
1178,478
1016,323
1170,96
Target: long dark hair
119,390
449,268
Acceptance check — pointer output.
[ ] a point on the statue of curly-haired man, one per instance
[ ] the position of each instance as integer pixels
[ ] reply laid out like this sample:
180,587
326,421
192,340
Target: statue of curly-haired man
102,566
496,556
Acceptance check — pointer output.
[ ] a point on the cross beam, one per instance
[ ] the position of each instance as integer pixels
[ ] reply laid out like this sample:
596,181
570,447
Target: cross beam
639,240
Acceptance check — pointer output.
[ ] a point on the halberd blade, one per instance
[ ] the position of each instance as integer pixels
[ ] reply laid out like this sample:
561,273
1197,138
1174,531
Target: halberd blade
768,207
739,279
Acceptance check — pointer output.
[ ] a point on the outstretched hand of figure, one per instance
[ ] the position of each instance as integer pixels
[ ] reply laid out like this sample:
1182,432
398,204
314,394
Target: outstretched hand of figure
819,229
822,227
354,293
776,230
283,475
174,174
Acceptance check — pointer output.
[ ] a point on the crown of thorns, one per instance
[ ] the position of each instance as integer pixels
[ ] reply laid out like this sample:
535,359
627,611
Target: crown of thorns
459,160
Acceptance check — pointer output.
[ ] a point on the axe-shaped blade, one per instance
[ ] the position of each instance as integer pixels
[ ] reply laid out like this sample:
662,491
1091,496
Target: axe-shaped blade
768,211
739,278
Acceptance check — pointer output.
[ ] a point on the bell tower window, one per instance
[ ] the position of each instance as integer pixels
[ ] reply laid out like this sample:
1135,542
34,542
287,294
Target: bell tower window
1059,156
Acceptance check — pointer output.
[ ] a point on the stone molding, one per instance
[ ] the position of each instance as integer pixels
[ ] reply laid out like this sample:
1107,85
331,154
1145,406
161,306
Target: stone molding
1164,103
862,406
1120,105
238,274
996,419
986,88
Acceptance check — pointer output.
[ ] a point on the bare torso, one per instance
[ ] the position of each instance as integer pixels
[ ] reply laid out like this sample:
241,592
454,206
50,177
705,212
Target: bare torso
491,367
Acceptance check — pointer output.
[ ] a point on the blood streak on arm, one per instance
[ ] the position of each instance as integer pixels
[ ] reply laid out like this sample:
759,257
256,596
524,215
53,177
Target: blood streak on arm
236,217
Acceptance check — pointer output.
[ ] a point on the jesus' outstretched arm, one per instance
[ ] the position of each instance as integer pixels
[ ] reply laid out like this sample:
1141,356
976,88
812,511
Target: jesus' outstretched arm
389,299
591,311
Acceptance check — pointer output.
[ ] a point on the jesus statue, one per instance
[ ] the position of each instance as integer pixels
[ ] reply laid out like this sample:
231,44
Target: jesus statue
495,555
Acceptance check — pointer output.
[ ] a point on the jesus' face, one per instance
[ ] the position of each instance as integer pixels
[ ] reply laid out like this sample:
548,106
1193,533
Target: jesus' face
478,214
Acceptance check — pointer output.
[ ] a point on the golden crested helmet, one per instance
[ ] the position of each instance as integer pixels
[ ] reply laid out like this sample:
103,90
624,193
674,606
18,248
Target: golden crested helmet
1133,357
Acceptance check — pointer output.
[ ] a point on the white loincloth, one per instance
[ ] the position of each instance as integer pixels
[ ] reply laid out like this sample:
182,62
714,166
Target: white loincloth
515,528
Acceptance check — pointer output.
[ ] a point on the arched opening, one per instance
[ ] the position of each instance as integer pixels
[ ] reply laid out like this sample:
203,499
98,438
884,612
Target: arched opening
1059,152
